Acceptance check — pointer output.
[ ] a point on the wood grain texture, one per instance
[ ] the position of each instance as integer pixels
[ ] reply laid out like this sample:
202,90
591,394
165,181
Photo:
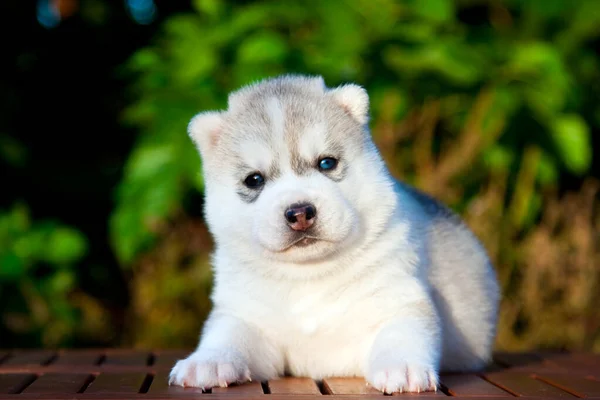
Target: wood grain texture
522,384
293,386
160,386
471,385
58,383
14,383
249,388
78,358
348,386
128,359
577,385
167,359
122,383
120,374
575,362
517,359
30,358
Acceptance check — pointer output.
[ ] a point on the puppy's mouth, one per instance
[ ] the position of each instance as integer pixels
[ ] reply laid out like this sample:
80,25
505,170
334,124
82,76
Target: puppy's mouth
302,241
305,241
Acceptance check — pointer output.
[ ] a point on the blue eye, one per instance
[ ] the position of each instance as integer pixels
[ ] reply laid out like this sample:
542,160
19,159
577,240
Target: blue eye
327,163
254,181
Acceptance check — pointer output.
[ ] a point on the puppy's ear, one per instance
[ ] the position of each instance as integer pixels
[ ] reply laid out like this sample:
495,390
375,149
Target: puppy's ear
354,100
205,129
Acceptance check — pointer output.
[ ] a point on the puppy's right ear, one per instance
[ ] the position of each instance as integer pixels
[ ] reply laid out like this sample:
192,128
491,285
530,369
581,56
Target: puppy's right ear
205,129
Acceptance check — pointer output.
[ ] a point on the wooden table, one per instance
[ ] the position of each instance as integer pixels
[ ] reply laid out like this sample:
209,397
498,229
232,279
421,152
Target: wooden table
128,374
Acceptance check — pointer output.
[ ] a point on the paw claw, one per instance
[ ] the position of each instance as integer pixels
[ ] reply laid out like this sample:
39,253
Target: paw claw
390,375
210,369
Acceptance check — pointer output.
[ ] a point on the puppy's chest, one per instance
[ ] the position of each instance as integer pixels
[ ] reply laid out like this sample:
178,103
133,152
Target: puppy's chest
313,317
310,315
320,334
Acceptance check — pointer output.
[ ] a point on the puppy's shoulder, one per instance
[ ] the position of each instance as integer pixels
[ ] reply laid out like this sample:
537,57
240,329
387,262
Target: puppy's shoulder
431,208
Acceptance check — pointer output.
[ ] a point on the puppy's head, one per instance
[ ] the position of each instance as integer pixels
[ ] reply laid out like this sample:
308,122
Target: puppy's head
291,172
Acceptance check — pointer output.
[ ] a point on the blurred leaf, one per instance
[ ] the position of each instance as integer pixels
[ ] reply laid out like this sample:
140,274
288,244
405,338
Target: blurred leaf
35,304
541,67
31,246
213,8
144,60
434,10
147,161
263,47
533,210
65,245
451,61
62,281
547,170
499,158
572,137
11,267
19,218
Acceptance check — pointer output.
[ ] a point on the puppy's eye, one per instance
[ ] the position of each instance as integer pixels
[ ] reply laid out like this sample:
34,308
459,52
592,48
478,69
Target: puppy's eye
254,181
327,163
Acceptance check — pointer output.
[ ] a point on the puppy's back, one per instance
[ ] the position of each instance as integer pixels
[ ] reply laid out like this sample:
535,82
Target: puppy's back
463,284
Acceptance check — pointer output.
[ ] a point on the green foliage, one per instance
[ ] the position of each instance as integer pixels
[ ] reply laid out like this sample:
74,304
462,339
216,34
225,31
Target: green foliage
531,55
37,275
572,137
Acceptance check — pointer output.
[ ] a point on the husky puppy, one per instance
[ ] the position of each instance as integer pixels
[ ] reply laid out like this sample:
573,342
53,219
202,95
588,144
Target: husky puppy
324,264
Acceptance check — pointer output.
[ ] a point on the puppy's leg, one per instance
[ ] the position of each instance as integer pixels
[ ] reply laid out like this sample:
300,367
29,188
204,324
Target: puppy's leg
405,354
230,351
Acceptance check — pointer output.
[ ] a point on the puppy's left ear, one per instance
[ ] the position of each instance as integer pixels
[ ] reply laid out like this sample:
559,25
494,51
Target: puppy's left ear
354,100
205,129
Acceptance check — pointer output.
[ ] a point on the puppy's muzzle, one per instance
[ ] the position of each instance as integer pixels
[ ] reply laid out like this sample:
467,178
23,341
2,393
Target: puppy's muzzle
300,217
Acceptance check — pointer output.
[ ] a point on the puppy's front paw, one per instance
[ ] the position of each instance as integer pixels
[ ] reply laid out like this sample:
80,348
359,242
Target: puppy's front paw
210,369
391,374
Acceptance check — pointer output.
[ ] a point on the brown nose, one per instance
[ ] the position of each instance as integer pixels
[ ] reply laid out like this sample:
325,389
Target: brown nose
300,217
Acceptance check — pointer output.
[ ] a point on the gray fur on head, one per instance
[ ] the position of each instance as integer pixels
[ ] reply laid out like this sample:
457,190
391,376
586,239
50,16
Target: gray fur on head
205,128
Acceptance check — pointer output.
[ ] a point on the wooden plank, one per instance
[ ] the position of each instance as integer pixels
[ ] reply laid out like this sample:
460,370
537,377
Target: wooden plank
109,383
428,394
575,361
358,386
246,389
352,386
127,358
167,359
527,362
471,385
293,386
14,383
517,359
79,358
577,385
58,383
30,358
160,386
522,384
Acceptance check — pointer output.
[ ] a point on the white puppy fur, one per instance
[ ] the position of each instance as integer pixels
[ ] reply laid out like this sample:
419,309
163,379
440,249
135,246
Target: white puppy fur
389,285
